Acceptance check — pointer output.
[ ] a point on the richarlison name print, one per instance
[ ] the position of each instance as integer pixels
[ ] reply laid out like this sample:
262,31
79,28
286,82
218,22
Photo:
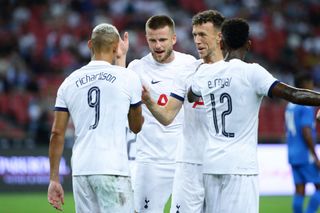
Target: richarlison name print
99,76
219,82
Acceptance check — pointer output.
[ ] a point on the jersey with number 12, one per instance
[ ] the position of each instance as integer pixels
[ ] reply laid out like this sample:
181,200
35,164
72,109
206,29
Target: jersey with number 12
98,97
232,92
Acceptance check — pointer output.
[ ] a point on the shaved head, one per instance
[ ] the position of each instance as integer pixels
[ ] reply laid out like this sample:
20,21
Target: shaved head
104,37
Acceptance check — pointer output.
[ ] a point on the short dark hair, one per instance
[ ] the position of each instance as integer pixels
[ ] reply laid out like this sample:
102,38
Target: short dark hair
213,16
235,33
160,21
301,78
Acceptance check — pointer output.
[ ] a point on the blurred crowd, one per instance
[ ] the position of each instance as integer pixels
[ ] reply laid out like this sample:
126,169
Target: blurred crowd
42,41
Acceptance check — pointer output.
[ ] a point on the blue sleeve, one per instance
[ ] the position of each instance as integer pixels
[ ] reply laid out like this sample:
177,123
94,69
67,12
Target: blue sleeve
307,116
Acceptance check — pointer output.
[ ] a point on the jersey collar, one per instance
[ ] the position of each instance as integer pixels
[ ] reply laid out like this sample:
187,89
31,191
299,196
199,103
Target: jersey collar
98,62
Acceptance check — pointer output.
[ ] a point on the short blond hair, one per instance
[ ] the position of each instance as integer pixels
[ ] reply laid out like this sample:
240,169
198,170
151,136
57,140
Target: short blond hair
103,37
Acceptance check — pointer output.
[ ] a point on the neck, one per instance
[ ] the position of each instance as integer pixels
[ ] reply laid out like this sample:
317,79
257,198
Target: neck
234,54
169,59
108,57
213,58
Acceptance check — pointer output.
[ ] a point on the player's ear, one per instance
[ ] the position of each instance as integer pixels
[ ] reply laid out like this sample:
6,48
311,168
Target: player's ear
221,43
219,37
248,46
90,44
174,39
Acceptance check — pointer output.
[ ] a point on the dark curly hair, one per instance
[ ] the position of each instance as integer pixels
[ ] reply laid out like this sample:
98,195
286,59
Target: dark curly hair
235,33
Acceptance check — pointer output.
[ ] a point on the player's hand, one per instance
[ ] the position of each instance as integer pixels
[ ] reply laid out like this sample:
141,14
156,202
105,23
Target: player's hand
146,98
318,115
123,46
56,195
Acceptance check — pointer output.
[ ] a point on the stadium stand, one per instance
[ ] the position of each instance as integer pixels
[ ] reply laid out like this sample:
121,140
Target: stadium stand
43,41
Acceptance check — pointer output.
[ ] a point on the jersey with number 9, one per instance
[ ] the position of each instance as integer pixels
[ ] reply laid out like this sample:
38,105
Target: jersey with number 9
98,97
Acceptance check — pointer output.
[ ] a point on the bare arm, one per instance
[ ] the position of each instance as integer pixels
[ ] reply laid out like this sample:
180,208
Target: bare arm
296,95
164,114
123,47
135,119
318,115
55,190
307,136
192,97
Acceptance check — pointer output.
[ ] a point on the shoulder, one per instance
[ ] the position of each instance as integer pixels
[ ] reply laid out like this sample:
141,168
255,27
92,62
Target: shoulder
307,108
252,70
305,111
141,62
134,63
202,68
188,70
124,73
184,56
253,67
130,74
70,78
193,66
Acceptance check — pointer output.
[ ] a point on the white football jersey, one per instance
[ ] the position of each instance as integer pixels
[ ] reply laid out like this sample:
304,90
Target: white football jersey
232,92
195,130
155,142
98,97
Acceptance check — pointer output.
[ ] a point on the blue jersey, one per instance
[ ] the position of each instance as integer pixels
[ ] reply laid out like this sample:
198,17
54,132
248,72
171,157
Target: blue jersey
297,117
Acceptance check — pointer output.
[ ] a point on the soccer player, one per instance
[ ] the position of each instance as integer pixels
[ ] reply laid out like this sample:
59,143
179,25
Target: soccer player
188,190
101,99
301,140
232,91
156,143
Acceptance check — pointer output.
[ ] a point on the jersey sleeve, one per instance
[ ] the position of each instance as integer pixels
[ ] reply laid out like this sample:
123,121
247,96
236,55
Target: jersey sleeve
307,117
60,104
261,80
132,65
182,82
196,83
136,89
179,88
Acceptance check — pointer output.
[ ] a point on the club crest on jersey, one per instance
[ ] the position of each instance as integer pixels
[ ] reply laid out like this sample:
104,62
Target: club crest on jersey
219,82
178,207
146,201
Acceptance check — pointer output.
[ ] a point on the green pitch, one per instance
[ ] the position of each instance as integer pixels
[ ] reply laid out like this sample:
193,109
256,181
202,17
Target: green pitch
37,203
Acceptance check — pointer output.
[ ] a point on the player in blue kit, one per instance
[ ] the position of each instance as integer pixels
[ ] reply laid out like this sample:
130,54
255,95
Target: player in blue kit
301,140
